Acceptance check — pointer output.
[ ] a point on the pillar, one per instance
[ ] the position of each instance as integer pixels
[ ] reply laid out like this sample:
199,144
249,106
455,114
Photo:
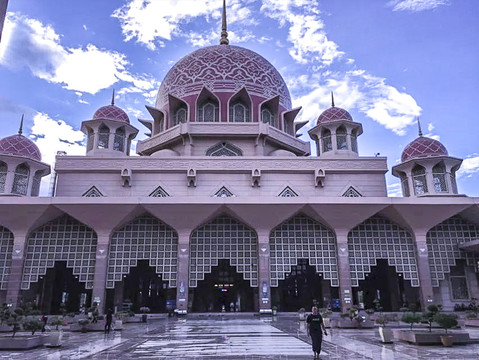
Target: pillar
182,278
426,291
264,278
16,270
101,264
344,271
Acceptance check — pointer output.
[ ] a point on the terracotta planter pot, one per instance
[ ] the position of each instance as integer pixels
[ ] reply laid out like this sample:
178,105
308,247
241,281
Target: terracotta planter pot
446,340
386,334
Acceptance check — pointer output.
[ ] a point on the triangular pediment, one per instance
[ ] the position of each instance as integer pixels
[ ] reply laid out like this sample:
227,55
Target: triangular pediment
224,192
287,192
352,192
159,192
93,192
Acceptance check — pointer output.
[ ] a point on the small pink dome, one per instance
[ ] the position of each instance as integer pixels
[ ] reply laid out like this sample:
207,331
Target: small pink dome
423,147
21,146
333,114
111,112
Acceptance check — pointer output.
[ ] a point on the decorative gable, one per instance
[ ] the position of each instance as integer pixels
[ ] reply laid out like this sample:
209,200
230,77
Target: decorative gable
93,192
351,192
159,192
223,192
287,192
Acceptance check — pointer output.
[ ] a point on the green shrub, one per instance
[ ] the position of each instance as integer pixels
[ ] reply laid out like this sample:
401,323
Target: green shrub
411,318
446,321
57,321
428,316
382,320
32,325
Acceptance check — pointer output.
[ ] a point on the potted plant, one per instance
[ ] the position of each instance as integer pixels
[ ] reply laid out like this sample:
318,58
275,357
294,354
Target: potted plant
428,316
83,325
385,333
15,320
302,314
411,318
55,337
32,325
446,321
144,310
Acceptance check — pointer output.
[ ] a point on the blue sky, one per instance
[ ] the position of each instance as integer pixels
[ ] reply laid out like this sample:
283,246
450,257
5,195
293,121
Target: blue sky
386,61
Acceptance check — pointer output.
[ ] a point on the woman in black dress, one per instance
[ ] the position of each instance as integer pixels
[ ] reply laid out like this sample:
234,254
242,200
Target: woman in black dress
315,330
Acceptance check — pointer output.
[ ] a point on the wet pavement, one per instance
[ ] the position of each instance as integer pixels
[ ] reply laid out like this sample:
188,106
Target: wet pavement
235,338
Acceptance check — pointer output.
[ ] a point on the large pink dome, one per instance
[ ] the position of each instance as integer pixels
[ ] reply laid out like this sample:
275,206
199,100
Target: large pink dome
423,147
21,146
333,114
223,68
111,112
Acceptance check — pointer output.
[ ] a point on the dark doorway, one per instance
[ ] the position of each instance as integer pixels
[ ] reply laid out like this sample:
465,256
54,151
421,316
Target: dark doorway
223,290
301,288
385,284
142,287
58,291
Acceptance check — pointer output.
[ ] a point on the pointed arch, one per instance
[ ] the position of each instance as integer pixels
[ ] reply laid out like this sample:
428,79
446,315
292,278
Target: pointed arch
351,192
3,176
178,110
119,140
159,192
439,177
269,110
443,246
380,238
20,179
143,238
103,136
240,106
62,239
341,138
224,149
301,237
419,180
207,107
326,139
223,238
6,249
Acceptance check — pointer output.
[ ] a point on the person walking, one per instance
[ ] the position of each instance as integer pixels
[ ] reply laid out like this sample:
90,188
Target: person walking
315,328
108,321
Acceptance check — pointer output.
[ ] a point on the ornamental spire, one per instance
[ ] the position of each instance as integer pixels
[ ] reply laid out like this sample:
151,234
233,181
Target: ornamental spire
113,98
20,130
332,99
419,127
224,34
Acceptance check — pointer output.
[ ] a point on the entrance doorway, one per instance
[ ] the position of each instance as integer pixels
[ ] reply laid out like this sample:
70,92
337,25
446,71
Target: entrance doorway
385,284
224,289
58,291
302,288
142,287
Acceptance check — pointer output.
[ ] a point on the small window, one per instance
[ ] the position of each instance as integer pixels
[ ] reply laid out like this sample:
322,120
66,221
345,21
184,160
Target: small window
3,176
208,111
20,180
267,116
341,140
404,184
326,140
180,116
119,143
439,178
239,112
419,180
103,137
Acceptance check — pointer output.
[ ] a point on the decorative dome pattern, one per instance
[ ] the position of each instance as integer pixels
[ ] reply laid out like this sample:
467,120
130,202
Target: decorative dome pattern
223,68
333,114
19,145
111,112
423,147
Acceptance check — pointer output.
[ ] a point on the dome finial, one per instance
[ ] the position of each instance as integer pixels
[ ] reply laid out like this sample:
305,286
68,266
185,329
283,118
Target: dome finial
419,127
224,34
332,99
113,98
20,130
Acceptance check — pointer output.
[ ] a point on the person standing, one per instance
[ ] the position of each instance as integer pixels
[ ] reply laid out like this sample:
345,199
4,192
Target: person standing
108,321
315,327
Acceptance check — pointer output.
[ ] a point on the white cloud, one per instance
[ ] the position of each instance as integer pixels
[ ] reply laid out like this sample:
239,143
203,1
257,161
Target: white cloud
470,165
416,5
394,190
30,44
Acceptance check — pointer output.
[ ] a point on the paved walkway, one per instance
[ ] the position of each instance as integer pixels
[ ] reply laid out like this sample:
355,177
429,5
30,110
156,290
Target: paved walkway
255,338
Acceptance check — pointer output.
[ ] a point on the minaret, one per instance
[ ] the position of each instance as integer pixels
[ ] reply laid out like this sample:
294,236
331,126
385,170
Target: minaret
20,130
224,34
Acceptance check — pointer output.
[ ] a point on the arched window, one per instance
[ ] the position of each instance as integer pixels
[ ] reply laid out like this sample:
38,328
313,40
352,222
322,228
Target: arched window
341,140
439,178
326,139
103,137
119,143
90,139
3,176
239,112
37,178
419,180
354,141
404,184
180,116
267,116
208,111
20,181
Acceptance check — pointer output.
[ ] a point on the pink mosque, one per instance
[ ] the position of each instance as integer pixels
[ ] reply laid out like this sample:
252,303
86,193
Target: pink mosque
225,205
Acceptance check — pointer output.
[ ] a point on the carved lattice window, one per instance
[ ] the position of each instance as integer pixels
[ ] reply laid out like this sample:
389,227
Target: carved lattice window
267,116
3,176
239,112
419,180
20,180
119,143
103,137
208,111
326,140
439,178
341,138
180,116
